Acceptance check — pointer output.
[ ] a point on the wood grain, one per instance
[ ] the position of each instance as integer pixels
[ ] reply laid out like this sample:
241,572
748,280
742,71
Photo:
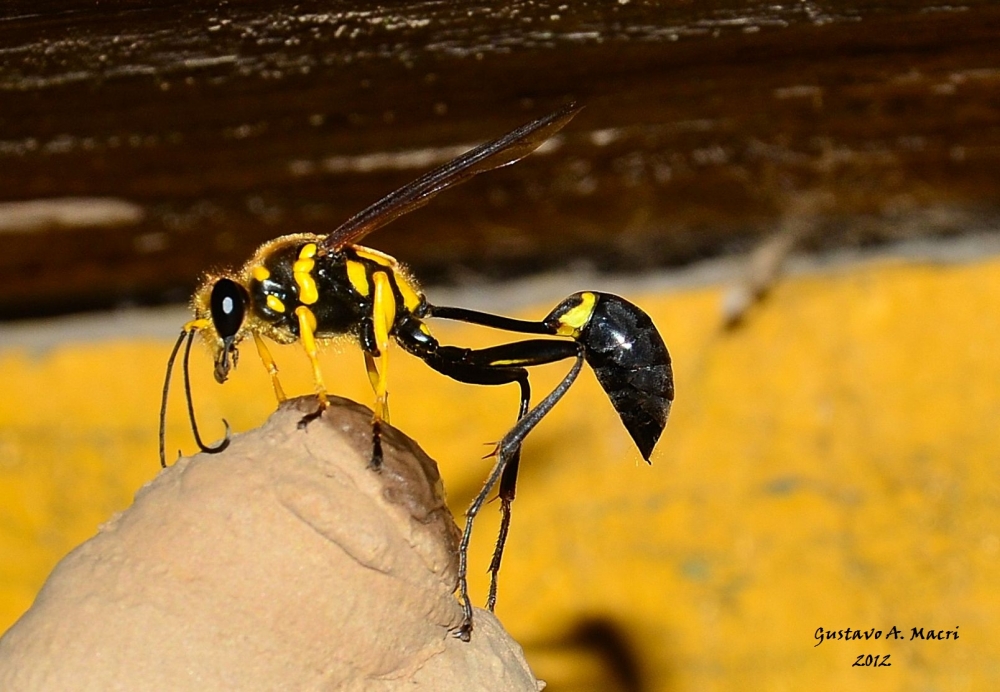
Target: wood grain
226,125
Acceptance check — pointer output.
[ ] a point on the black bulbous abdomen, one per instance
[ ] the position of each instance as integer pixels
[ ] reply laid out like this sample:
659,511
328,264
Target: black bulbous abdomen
633,366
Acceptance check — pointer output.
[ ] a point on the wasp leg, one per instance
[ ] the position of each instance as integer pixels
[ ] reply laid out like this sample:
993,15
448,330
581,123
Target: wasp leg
270,366
307,334
493,366
375,376
504,452
377,364
494,375
508,483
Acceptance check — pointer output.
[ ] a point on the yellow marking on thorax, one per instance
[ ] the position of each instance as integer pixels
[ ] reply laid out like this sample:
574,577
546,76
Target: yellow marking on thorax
302,271
375,256
412,298
274,302
572,322
260,273
357,274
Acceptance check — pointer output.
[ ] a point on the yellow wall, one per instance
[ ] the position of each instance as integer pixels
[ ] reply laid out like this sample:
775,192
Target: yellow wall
830,464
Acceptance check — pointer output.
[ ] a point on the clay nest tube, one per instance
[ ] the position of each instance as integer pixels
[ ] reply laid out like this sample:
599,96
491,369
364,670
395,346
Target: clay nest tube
283,563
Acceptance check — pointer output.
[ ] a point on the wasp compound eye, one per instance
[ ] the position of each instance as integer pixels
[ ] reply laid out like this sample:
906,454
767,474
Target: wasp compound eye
229,305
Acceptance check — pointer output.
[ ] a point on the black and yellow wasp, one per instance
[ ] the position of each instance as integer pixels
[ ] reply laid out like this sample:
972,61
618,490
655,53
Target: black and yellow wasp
313,289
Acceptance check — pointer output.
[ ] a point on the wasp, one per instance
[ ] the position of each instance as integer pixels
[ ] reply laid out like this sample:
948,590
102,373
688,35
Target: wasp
312,289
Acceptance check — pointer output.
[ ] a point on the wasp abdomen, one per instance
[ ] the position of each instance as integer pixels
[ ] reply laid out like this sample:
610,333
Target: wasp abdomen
632,364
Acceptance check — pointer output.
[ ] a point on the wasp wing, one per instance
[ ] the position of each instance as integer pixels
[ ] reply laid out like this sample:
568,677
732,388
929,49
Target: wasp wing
504,151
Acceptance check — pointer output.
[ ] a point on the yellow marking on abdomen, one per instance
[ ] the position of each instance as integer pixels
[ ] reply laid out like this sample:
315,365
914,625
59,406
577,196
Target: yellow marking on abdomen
575,319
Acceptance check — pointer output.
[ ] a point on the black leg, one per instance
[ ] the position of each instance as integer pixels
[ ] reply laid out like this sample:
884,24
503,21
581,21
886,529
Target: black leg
493,366
505,450
491,599
508,487
376,461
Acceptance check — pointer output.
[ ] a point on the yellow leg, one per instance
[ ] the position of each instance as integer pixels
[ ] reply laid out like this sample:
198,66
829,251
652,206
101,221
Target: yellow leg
307,331
373,377
383,317
272,369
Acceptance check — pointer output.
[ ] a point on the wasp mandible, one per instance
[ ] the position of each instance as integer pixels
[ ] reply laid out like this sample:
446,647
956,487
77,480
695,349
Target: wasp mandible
313,289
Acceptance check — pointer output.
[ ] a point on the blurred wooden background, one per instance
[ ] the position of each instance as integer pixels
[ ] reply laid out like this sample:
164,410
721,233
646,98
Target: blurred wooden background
194,131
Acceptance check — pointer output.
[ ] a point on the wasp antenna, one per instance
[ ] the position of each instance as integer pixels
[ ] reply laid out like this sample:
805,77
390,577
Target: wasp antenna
225,439
190,404
163,402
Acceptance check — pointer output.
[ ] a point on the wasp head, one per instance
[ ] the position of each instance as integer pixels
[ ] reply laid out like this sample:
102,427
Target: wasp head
222,303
